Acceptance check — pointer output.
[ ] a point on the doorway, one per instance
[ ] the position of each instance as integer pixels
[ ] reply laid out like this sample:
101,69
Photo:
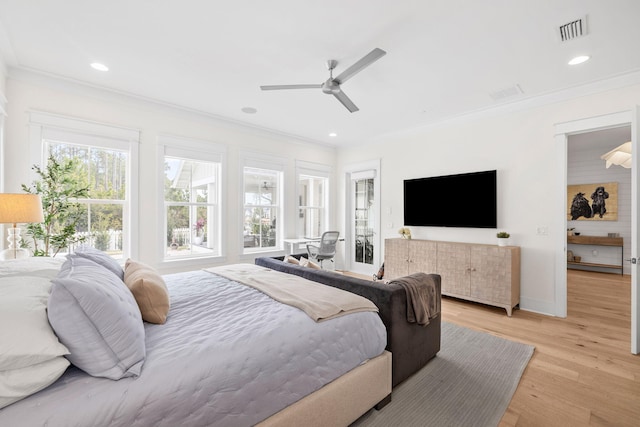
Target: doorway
592,254
587,170
363,218
563,132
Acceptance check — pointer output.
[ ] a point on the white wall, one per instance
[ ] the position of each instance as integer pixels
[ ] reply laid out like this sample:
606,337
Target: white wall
520,145
28,92
586,167
3,100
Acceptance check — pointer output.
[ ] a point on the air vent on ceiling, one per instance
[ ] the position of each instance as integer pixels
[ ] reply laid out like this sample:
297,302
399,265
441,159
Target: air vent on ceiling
506,92
573,30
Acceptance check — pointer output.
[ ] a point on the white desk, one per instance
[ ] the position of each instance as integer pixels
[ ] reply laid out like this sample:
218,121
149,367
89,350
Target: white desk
295,242
302,241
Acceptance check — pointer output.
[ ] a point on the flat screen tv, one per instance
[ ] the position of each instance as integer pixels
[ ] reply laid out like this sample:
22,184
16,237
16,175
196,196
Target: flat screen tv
462,200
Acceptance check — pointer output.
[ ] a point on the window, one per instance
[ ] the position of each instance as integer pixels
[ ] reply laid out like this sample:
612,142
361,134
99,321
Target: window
313,196
192,208
262,208
106,158
104,171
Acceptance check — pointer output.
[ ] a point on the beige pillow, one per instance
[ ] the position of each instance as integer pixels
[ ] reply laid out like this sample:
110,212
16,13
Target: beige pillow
291,260
306,263
149,290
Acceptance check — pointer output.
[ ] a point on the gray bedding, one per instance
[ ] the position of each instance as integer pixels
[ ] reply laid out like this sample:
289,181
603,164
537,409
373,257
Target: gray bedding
228,355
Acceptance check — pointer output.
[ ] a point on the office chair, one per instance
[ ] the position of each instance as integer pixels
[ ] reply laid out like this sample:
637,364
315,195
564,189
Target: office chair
327,248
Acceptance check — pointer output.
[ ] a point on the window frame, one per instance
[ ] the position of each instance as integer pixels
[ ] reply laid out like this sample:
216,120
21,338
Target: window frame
266,163
315,170
46,126
199,151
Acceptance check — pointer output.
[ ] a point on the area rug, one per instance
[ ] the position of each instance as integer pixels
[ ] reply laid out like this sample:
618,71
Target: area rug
470,382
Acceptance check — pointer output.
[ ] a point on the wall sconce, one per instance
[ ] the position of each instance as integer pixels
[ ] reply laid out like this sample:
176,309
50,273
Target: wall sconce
17,209
621,156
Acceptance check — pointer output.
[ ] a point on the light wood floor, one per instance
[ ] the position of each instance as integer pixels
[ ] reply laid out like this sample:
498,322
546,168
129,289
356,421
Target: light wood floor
582,371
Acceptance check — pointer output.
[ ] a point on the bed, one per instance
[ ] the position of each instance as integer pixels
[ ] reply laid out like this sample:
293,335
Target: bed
227,355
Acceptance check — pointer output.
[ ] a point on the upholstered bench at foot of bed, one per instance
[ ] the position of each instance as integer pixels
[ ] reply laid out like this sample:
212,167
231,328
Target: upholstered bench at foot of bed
412,345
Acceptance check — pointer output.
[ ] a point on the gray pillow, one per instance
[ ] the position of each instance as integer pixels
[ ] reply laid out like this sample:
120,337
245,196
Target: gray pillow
95,316
101,258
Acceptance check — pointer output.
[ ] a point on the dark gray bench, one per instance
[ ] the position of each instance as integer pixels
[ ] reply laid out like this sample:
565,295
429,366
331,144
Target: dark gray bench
410,344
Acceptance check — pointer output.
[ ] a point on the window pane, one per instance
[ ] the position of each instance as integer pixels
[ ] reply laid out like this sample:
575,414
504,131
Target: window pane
364,221
260,187
260,228
104,171
311,214
107,174
176,188
178,231
106,227
262,204
193,228
61,151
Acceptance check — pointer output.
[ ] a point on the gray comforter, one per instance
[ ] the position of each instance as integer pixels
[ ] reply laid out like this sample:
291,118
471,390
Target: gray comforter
228,355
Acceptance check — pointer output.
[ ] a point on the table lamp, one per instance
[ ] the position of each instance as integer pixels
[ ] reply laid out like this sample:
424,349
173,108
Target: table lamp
15,209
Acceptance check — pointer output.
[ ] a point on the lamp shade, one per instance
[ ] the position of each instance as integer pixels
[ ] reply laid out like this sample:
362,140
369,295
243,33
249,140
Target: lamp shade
621,155
19,208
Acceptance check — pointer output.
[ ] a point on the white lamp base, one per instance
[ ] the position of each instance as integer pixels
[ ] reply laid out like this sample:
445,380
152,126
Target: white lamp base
19,253
13,251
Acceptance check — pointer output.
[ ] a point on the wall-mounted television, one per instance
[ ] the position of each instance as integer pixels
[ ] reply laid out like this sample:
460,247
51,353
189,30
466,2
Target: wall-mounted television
462,200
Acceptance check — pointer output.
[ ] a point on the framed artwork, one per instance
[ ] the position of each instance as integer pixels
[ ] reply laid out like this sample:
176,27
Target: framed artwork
592,202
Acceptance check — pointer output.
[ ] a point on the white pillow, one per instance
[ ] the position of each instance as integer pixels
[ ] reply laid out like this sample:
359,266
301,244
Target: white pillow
31,357
310,264
25,333
16,384
33,266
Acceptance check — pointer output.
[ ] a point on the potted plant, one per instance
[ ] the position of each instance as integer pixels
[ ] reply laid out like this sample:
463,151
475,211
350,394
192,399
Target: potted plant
405,233
503,238
198,227
60,187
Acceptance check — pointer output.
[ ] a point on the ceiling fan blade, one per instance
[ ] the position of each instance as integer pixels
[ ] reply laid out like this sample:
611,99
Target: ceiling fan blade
344,99
364,62
278,87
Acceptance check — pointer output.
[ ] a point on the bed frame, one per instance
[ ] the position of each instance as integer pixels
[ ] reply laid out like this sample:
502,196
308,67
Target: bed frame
343,400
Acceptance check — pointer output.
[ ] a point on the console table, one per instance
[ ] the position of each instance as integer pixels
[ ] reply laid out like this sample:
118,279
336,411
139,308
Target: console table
598,241
487,274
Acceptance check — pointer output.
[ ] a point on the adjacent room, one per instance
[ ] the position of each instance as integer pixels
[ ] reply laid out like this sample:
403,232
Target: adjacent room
322,214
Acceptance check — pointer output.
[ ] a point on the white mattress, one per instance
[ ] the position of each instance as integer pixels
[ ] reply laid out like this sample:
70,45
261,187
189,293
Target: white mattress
228,355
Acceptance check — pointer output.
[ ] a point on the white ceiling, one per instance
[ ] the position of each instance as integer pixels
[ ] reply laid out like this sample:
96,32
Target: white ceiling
603,140
444,57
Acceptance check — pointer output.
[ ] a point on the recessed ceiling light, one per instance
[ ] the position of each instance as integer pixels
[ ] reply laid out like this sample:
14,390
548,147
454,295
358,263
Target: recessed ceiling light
333,134
248,110
100,67
579,60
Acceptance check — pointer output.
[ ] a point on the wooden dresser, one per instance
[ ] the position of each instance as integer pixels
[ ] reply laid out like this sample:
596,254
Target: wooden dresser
487,274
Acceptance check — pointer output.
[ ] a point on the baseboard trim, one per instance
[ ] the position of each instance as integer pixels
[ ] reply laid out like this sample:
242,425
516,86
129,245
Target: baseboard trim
538,306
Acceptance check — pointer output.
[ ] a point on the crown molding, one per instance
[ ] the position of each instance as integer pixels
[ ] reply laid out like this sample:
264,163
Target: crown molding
77,87
592,88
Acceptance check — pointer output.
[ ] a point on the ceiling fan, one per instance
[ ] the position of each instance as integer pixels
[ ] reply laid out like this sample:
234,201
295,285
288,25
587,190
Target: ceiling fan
332,85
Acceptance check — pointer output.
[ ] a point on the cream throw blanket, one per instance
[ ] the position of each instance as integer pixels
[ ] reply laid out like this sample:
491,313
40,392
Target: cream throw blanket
320,302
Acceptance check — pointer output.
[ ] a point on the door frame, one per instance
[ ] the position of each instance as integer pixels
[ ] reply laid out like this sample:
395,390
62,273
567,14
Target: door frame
562,133
349,222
